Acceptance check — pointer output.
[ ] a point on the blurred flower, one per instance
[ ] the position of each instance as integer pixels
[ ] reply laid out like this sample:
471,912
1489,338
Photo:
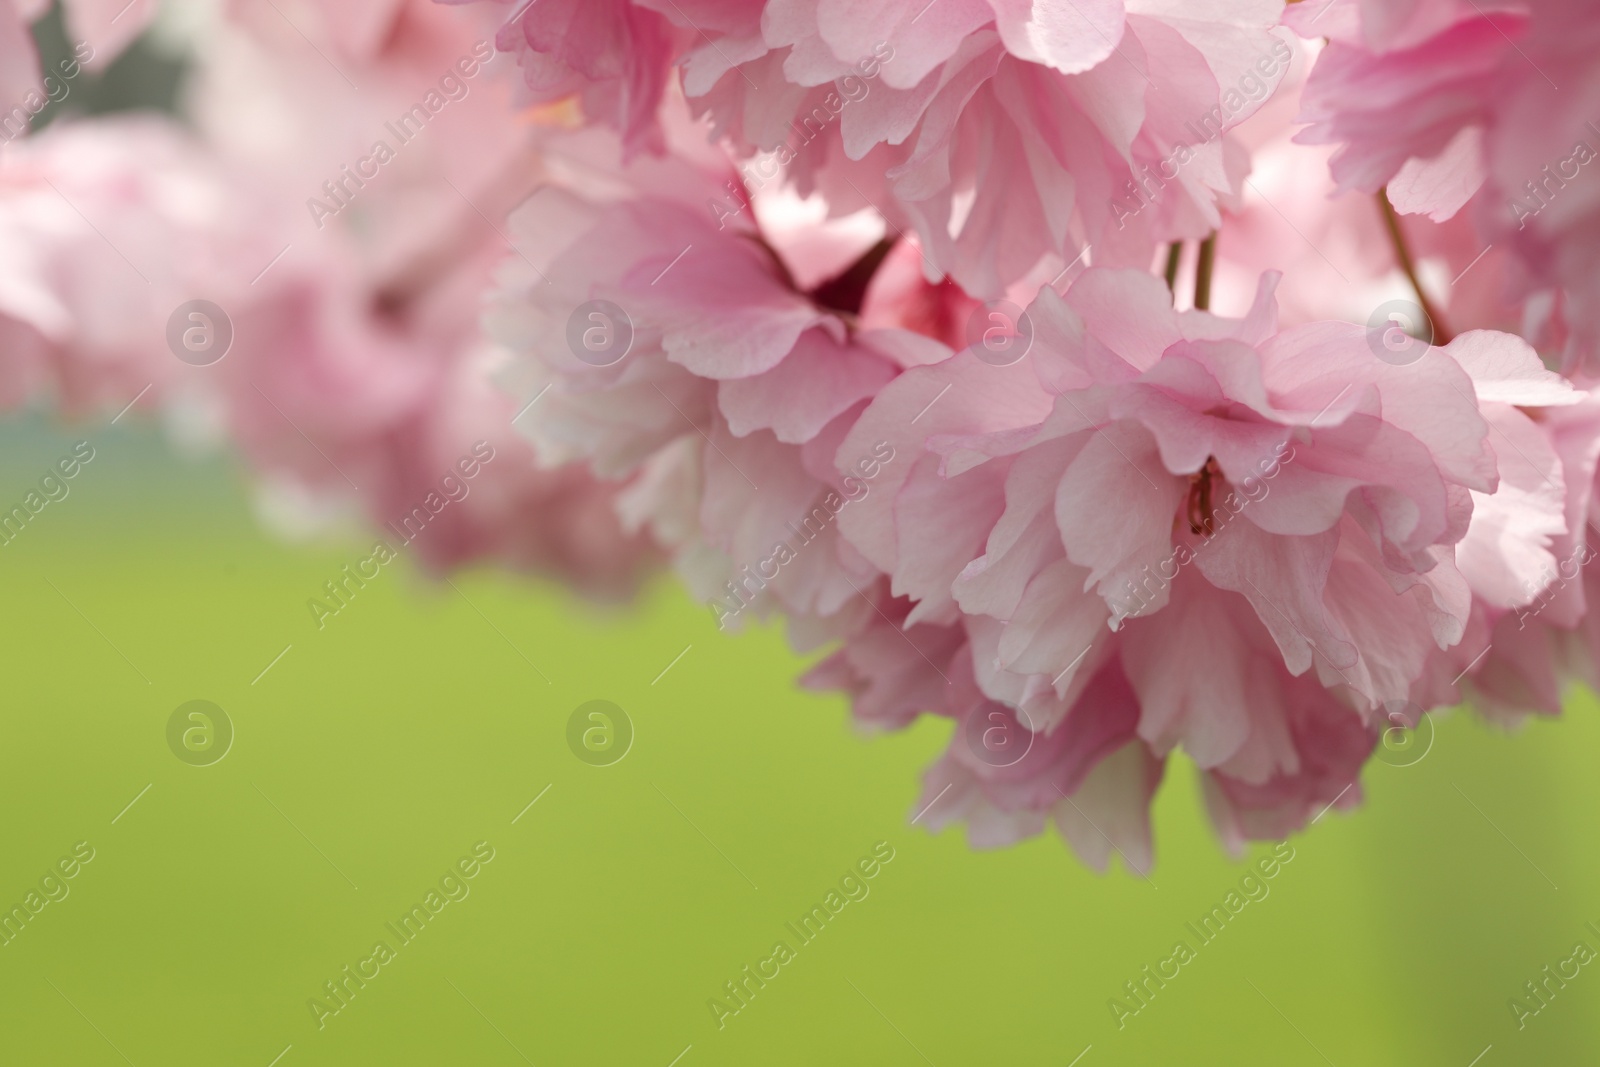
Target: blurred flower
357,368
1451,104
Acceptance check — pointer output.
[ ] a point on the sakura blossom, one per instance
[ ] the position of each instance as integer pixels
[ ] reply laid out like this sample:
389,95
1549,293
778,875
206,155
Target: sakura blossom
1106,384
358,373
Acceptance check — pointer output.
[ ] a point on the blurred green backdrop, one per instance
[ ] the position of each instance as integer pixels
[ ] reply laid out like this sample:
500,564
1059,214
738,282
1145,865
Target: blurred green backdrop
371,756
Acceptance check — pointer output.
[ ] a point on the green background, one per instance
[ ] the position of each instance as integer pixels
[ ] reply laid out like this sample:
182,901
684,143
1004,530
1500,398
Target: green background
377,751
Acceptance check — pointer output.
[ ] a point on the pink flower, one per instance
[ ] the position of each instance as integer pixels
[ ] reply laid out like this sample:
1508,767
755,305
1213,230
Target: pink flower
108,226
1490,105
1090,774
1110,116
1334,252
1532,629
357,371
749,323
19,60
726,364
1330,745
894,672
613,55
1144,474
1401,89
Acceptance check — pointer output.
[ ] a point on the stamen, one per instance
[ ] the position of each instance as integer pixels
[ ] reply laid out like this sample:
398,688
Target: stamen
1198,505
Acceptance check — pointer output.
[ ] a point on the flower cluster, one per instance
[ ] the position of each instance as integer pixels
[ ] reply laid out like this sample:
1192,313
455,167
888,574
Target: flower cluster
356,371
1076,371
